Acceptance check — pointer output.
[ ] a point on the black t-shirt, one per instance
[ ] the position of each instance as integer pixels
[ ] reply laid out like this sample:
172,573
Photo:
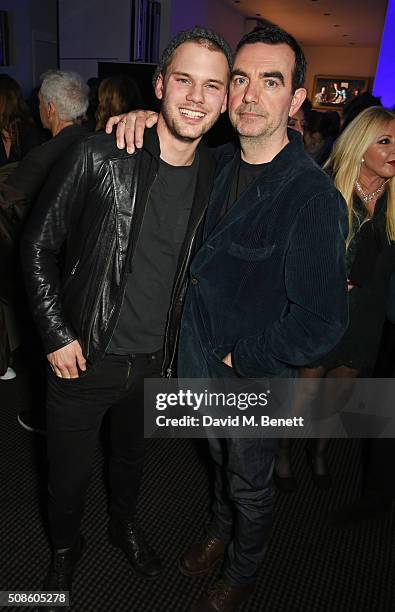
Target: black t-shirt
142,321
245,174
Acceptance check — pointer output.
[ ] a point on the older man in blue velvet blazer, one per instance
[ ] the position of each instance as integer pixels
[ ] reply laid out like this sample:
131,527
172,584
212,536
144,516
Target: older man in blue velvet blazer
267,292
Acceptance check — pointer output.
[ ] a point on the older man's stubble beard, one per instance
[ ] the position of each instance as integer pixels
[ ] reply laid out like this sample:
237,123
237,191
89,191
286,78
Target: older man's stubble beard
256,131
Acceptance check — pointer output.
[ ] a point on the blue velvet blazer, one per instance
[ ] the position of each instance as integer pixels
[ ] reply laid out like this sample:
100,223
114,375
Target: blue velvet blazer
268,283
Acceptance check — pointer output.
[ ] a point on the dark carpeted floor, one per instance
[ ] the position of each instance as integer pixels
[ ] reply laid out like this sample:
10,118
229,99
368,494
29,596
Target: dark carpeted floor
310,566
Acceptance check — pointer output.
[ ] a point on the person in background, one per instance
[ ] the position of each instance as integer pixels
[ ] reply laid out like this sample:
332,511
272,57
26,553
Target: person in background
321,131
63,99
362,165
298,122
117,94
356,105
90,115
18,131
322,96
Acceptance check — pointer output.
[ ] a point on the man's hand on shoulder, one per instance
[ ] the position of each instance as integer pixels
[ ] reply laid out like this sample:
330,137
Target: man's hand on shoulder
65,360
130,128
227,360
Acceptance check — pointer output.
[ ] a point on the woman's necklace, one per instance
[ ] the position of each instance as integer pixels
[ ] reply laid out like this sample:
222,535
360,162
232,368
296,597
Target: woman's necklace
368,197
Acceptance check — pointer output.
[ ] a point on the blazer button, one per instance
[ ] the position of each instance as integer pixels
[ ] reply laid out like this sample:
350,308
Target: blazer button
194,280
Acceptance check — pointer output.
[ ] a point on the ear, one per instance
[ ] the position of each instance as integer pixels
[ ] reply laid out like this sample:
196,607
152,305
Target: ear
298,98
159,86
51,109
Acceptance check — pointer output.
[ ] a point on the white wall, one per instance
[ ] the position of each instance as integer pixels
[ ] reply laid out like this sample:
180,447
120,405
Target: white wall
180,15
30,20
44,30
188,14
226,21
44,16
339,61
92,31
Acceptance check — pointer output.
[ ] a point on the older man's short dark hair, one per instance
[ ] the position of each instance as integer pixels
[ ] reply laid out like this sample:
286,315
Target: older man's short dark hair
201,36
271,34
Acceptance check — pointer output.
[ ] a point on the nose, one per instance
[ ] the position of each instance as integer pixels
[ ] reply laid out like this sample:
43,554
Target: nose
250,93
196,94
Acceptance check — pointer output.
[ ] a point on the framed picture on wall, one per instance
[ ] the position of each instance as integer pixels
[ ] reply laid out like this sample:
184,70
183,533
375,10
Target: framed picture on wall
335,91
4,39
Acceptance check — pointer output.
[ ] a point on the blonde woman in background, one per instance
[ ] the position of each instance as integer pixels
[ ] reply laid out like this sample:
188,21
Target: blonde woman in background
362,165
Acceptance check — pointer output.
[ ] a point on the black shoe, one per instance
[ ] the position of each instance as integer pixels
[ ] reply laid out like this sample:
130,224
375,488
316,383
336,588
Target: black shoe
128,536
60,573
321,476
365,508
33,421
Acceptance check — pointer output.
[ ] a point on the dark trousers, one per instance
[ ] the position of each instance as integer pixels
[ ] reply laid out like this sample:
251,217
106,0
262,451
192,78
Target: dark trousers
75,410
244,494
243,503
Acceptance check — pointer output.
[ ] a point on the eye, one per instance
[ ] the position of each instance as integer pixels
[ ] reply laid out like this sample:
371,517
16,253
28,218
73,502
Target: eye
271,84
183,81
384,141
239,81
212,86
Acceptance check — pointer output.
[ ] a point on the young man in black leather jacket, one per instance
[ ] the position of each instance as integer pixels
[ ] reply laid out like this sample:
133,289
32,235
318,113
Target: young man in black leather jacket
125,226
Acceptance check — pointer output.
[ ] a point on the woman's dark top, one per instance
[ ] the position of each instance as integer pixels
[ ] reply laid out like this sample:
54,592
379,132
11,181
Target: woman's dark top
370,262
28,137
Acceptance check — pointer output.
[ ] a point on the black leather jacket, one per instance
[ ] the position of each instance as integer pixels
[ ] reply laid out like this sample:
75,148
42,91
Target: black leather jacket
88,218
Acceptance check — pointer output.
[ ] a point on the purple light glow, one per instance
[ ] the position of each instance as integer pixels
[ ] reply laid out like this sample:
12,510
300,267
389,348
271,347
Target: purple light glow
384,84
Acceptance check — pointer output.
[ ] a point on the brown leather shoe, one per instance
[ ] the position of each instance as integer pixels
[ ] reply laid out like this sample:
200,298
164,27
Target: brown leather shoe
223,597
202,557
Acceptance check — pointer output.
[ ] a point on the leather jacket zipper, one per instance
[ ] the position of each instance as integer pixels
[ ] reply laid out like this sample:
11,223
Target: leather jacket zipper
169,369
71,274
74,268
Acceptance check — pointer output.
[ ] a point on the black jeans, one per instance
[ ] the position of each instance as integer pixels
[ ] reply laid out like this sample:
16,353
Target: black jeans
243,504
75,410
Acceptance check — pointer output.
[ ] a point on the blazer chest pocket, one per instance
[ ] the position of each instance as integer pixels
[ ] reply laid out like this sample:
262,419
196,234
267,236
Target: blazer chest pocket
251,254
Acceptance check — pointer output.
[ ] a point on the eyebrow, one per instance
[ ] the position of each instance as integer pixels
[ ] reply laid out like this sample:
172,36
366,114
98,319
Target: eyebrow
275,74
186,74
